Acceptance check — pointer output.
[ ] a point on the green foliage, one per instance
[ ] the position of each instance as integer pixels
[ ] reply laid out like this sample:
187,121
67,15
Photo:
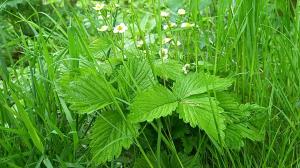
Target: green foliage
190,99
199,83
110,135
11,3
174,4
73,94
154,103
28,124
135,75
89,92
169,160
195,107
169,69
240,121
205,113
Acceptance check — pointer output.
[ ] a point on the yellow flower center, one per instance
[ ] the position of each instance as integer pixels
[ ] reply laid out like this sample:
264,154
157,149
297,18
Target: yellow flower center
119,28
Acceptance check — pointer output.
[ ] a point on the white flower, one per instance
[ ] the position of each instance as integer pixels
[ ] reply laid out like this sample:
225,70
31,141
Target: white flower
99,6
139,43
181,12
164,52
164,14
121,28
166,40
103,28
187,25
186,68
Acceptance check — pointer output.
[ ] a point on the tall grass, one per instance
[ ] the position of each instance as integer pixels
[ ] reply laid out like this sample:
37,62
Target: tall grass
255,42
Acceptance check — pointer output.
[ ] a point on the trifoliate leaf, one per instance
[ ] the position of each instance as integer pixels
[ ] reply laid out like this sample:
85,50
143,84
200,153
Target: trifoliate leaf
154,103
109,136
204,113
199,83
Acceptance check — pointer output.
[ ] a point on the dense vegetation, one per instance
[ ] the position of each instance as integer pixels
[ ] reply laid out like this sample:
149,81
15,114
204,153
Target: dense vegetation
149,83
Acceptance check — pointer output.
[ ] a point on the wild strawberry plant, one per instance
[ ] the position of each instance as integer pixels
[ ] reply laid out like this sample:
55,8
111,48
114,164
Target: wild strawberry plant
149,83
133,96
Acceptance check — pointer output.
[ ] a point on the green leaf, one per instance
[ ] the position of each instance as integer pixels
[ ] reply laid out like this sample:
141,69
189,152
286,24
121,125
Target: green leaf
11,3
88,93
204,4
205,113
236,132
136,74
105,67
174,4
256,114
239,121
4,74
100,46
74,50
189,143
154,103
109,136
199,83
141,162
233,139
168,161
228,102
147,23
47,163
71,122
187,161
28,124
169,69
